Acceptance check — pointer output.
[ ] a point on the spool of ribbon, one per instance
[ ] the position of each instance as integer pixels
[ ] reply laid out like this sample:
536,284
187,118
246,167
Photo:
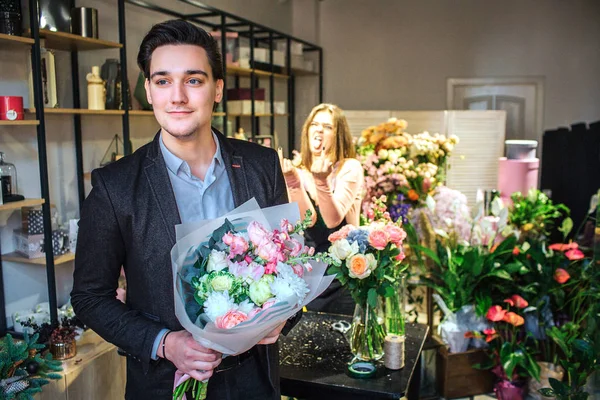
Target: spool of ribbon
394,352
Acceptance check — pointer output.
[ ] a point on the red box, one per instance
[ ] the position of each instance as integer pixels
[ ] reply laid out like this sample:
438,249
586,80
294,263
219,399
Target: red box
245,94
11,108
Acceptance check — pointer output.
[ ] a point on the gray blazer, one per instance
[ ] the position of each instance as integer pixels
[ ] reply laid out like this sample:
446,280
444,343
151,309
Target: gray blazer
129,220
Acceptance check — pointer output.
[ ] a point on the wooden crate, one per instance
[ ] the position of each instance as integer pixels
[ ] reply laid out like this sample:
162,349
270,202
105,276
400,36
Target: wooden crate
456,377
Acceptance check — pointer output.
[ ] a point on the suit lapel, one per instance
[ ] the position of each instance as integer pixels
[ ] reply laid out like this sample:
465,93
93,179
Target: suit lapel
156,173
234,164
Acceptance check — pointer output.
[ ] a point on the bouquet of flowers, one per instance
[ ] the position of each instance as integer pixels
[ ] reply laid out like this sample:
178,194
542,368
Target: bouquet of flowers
367,260
236,279
399,164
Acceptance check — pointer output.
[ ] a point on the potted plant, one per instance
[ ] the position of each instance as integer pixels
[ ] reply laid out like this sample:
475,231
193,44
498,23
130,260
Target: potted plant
511,352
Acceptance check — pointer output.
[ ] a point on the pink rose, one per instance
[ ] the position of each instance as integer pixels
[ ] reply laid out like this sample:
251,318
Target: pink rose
308,266
341,233
400,257
295,247
268,304
230,319
271,268
396,234
253,312
269,251
258,234
238,246
298,270
378,239
228,238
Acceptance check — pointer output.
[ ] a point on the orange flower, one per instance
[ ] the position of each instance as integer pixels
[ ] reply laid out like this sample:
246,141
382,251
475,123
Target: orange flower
516,251
574,254
494,247
469,335
412,195
561,275
495,313
513,319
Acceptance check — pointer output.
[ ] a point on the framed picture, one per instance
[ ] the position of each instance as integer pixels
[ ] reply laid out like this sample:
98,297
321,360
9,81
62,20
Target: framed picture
49,94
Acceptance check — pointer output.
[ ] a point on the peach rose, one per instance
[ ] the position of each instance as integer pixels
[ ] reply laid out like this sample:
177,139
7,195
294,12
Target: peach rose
341,233
378,239
230,319
360,265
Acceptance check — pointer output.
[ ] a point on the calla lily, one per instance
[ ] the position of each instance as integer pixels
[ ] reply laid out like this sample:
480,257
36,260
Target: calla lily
574,254
519,301
563,246
496,313
513,319
561,276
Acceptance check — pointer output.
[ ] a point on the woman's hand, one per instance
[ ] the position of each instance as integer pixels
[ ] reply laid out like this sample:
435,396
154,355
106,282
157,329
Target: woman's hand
290,173
321,168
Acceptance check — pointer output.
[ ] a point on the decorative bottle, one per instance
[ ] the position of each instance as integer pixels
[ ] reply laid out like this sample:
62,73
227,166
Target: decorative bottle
96,91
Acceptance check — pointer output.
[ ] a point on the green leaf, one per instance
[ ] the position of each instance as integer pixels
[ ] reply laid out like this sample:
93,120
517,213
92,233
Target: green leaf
372,297
547,392
566,227
560,388
428,252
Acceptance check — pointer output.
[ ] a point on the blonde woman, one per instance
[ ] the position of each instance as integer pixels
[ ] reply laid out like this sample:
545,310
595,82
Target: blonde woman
329,183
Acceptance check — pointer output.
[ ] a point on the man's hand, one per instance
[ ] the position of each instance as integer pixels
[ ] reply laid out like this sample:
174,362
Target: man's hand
273,335
190,356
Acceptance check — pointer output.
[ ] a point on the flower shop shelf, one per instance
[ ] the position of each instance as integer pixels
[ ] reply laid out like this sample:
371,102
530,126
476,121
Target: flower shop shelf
16,257
27,122
71,42
141,113
304,72
16,205
238,71
12,40
83,111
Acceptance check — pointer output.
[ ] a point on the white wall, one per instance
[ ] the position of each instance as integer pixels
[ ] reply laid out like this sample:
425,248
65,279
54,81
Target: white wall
25,285
397,54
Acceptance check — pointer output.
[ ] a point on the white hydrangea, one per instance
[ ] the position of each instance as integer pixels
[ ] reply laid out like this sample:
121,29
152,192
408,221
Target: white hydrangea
218,304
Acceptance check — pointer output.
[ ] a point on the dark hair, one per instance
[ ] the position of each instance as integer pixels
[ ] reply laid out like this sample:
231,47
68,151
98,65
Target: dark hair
178,31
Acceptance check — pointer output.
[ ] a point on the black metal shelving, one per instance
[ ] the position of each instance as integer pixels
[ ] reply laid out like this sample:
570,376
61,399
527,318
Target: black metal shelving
208,16
216,19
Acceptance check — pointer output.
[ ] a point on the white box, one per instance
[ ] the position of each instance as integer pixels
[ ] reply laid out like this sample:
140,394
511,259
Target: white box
261,55
245,107
279,107
297,61
279,58
297,48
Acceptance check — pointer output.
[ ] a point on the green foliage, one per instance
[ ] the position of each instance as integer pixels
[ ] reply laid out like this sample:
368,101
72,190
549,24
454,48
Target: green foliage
536,215
23,371
465,273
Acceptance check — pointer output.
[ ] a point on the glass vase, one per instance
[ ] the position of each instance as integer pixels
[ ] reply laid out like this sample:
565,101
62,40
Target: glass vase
367,333
394,306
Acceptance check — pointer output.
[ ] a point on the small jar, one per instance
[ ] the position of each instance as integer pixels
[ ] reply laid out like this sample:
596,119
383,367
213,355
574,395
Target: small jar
63,350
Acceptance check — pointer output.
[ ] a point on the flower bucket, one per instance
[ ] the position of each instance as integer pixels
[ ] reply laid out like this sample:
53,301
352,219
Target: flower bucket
507,390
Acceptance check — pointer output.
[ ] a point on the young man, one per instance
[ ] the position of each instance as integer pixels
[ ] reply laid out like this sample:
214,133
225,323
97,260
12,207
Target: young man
189,172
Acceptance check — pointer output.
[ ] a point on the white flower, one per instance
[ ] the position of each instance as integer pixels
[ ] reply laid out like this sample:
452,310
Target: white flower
221,283
342,249
245,306
288,284
218,304
260,291
217,260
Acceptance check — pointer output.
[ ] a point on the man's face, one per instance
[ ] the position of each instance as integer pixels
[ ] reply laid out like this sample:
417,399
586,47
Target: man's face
181,89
